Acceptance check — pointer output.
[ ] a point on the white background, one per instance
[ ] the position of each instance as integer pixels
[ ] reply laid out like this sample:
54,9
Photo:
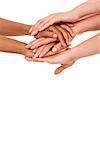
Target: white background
41,111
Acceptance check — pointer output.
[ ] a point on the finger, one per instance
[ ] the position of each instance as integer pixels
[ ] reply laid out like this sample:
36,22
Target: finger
39,50
46,34
66,27
57,47
64,33
70,24
29,44
30,30
61,68
44,59
43,42
59,34
34,42
46,49
50,53
38,23
69,38
35,50
34,29
47,23
28,59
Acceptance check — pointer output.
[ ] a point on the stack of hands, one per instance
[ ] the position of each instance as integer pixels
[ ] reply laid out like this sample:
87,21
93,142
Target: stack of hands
54,34
51,44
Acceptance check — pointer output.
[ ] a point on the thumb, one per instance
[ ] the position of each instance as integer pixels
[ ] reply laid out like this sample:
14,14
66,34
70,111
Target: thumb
61,69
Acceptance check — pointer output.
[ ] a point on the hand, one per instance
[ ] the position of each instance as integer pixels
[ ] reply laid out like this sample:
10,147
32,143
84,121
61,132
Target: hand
28,54
46,22
43,45
43,50
40,42
63,58
64,33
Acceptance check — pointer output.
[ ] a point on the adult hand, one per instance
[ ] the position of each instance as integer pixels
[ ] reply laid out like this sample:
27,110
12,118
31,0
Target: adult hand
46,22
61,32
63,58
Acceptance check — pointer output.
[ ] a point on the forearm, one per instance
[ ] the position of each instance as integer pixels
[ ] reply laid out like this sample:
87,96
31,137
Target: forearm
87,48
10,28
89,24
12,46
87,8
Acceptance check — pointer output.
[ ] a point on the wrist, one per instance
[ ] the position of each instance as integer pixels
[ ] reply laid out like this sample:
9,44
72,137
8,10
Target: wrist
71,16
76,29
70,57
74,15
26,29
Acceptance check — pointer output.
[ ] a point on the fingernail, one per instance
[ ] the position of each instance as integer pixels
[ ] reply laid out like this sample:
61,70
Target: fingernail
54,49
30,30
34,32
40,29
55,35
27,46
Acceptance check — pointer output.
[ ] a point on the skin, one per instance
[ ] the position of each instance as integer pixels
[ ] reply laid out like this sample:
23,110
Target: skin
81,11
10,28
13,46
60,33
89,24
64,35
67,58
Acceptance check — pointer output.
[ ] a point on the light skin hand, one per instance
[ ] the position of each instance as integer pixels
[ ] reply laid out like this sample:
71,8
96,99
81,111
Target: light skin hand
89,24
40,42
74,15
49,53
67,58
64,34
46,22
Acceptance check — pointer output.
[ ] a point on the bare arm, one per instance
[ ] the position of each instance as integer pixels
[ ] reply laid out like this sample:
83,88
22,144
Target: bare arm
10,28
89,24
87,48
85,9
67,58
13,46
